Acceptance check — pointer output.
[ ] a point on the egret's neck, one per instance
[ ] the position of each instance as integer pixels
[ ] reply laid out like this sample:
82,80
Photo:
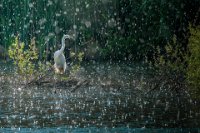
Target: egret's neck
63,45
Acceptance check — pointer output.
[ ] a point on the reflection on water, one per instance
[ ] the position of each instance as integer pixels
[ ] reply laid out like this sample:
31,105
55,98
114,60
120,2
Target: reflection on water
121,106
101,130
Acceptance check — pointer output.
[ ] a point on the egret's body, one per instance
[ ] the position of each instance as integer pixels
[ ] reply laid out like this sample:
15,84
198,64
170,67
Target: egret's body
59,58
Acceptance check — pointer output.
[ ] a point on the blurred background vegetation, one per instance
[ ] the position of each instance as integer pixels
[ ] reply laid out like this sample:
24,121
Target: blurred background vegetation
163,32
116,29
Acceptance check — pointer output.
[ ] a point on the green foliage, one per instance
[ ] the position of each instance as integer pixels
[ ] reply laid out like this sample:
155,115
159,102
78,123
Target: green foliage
137,26
193,70
172,57
43,67
77,59
175,59
118,47
24,59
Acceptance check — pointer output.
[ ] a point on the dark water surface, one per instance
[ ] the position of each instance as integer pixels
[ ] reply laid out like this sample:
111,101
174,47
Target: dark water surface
115,101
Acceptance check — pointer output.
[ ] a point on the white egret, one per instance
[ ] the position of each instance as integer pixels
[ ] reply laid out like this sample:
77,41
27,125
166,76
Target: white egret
59,58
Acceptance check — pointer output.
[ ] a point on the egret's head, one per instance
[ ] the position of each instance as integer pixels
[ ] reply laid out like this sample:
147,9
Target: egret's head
66,37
